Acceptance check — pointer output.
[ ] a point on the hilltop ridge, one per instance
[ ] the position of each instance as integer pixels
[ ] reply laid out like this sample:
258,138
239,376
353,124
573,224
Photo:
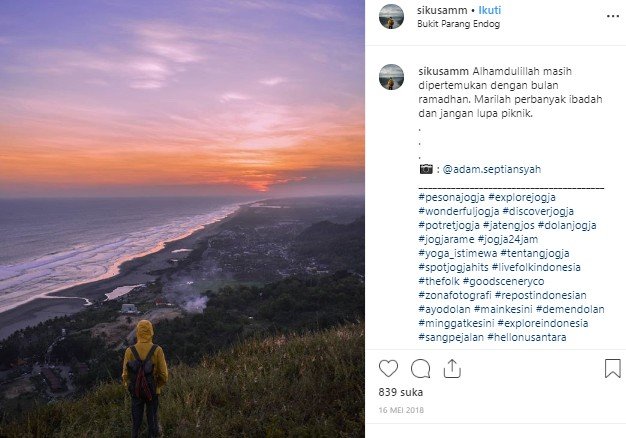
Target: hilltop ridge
278,386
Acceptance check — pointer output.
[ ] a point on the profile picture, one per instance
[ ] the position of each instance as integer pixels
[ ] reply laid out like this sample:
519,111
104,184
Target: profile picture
391,77
391,16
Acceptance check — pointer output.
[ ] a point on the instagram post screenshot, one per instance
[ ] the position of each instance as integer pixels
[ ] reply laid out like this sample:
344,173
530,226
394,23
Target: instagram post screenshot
341,218
182,228
493,219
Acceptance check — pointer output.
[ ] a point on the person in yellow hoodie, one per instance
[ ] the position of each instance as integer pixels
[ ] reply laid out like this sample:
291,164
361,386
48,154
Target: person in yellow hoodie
144,345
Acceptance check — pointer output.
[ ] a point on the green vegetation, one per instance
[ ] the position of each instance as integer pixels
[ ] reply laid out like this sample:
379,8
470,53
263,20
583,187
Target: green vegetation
233,314
280,386
238,312
32,342
251,361
336,245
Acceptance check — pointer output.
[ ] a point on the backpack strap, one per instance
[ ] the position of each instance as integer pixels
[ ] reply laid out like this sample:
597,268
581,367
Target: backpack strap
135,352
151,352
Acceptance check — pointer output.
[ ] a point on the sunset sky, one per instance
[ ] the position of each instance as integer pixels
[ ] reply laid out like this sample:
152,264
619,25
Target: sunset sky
119,97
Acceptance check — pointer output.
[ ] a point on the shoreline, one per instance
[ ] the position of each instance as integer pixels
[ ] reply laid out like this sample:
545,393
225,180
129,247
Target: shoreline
138,270
113,268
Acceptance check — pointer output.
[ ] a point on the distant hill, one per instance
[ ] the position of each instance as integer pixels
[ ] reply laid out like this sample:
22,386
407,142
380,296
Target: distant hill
341,246
300,385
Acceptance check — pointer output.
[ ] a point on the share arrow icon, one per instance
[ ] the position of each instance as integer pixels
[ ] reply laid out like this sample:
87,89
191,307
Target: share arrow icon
453,371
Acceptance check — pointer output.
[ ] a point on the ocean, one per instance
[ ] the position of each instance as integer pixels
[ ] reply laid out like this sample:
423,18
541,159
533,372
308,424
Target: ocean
50,244
397,81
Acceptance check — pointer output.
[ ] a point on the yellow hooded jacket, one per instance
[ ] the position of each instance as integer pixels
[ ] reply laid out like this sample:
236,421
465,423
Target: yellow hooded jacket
143,345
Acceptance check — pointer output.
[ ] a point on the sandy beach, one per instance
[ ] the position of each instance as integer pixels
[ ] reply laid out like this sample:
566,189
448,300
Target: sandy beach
140,270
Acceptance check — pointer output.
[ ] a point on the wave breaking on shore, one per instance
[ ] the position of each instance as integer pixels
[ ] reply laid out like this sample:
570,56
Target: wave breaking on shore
29,280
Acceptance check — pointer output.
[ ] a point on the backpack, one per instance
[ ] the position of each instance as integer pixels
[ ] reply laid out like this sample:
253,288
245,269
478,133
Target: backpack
141,383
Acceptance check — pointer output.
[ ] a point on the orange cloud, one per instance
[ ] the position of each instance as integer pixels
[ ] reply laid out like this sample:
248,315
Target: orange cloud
255,154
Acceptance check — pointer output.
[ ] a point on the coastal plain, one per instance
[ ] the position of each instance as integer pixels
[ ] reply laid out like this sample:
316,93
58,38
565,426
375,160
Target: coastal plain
180,271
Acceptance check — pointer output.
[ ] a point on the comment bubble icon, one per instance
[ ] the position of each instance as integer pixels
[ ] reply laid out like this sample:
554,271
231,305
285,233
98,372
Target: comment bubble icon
420,368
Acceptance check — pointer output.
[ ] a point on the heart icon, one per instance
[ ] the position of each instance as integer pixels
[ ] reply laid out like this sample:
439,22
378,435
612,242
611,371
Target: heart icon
388,367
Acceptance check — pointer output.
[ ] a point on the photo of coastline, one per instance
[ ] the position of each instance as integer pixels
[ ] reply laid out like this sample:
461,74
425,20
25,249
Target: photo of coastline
99,234
184,175
391,16
391,77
